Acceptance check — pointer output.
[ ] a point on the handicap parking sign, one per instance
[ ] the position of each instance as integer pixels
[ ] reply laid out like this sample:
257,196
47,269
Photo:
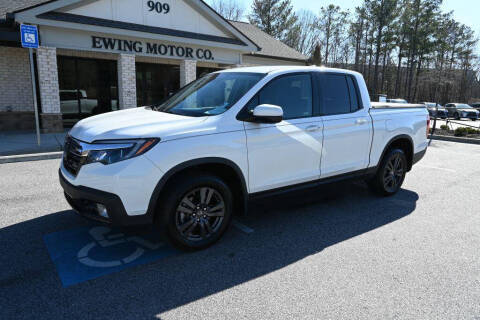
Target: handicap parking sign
90,252
29,36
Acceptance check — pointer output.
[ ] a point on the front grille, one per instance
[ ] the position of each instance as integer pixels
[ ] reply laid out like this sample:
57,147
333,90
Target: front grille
72,156
472,115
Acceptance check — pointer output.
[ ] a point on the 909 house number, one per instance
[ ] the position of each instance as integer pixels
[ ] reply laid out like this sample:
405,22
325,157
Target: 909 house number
158,7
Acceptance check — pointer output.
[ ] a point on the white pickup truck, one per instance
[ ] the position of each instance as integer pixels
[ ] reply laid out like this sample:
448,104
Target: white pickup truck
189,164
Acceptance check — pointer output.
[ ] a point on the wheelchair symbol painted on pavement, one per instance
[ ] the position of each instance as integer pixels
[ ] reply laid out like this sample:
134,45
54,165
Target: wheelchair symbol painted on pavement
99,234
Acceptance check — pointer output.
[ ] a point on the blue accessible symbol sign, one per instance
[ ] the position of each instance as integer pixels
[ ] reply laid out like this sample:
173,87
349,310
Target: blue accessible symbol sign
90,252
29,36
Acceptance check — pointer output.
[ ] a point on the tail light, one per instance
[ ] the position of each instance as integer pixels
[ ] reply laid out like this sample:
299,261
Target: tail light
428,126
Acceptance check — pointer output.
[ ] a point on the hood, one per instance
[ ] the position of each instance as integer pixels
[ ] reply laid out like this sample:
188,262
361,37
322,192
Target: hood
134,123
467,110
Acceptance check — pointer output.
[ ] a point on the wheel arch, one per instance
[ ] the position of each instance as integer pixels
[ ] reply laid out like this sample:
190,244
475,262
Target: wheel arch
222,167
404,142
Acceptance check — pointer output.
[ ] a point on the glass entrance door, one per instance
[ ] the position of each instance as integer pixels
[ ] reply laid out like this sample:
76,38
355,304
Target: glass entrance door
155,82
87,87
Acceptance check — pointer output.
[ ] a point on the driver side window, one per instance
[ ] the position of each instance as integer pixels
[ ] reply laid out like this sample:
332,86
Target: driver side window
292,92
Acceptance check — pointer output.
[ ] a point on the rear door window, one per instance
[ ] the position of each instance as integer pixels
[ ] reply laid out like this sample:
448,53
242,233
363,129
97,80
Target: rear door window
354,98
335,94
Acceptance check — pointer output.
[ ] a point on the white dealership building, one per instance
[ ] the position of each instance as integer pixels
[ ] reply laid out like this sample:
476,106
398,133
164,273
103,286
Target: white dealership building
97,56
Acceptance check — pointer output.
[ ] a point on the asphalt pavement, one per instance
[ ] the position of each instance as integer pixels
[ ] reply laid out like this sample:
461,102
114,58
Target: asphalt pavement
334,253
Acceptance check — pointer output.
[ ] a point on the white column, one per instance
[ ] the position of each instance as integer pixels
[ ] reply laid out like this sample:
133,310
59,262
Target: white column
127,81
49,89
188,71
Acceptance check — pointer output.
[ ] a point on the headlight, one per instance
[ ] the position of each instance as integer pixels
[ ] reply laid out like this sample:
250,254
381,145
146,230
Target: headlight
111,151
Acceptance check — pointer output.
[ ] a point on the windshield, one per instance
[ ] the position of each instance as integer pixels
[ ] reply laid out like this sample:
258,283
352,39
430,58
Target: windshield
463,106
210,95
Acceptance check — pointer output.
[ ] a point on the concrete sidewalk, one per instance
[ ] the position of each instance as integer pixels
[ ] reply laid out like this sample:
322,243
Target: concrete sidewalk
21,142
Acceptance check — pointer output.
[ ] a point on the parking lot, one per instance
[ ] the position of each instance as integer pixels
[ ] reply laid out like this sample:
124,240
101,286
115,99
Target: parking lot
338,253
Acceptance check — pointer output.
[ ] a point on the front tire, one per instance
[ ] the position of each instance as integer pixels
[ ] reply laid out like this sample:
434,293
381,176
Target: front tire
196,211
457,116
390,175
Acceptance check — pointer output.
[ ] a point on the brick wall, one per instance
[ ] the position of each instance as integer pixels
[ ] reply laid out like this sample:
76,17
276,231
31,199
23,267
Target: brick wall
188,72
48,79
127,81
15,80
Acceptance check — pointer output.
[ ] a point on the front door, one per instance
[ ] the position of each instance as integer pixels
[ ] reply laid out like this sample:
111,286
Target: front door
347,126
288,152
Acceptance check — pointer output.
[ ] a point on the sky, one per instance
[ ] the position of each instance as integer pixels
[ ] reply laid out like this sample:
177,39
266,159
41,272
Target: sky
465,11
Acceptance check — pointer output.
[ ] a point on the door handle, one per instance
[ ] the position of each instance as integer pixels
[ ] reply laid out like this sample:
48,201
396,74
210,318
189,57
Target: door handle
360,121
312,128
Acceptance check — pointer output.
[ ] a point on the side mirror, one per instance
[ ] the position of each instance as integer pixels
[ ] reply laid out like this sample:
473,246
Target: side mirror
267,113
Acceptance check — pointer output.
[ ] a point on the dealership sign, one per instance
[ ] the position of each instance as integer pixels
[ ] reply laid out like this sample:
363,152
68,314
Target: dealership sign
141,47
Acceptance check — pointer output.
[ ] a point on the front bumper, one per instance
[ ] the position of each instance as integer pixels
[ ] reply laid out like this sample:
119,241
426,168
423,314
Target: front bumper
84,200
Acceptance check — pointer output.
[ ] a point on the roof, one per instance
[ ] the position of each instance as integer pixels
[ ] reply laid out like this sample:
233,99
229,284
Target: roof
271,47
287,68
10,6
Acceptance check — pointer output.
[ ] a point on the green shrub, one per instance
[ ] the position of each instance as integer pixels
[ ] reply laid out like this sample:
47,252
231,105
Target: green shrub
472,131
444,127
461,132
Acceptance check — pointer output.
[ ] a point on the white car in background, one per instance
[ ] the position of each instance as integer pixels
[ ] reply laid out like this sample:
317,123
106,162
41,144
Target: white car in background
462,110
191,163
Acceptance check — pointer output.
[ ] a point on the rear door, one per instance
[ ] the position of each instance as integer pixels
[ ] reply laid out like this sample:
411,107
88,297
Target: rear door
288,152
347,125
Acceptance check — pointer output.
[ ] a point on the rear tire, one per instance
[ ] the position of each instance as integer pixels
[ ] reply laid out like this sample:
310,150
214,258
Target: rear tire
390,175
457,116
195,211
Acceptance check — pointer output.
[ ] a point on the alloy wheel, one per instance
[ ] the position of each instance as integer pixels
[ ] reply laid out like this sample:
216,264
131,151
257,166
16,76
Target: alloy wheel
394,172
200,214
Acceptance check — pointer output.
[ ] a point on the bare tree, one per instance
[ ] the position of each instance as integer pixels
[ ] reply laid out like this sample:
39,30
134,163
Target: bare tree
305,34
229,9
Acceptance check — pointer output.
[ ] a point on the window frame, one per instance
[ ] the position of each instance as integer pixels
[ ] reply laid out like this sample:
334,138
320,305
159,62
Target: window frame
318,80
246,116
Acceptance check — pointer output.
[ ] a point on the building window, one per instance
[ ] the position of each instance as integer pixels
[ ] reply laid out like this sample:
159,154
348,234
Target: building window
155,82
87,87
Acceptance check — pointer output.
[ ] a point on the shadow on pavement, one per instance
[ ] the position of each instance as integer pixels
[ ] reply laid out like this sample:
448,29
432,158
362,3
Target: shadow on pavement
286,231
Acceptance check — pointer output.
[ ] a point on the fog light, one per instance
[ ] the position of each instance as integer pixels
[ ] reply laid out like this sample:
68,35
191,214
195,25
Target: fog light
102,210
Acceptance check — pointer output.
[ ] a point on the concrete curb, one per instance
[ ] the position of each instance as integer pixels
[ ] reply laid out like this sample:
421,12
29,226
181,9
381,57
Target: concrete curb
456,139
30,157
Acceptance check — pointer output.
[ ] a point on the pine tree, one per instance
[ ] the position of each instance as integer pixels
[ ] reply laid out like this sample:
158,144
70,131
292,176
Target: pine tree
275,17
